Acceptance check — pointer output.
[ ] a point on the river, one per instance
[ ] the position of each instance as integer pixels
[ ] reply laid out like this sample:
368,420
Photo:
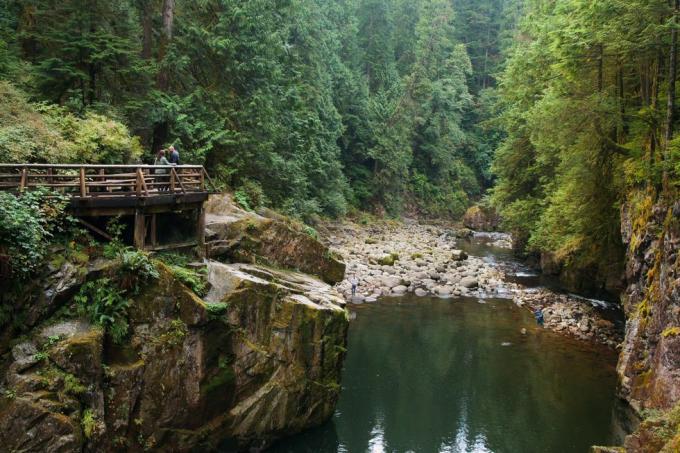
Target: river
428,374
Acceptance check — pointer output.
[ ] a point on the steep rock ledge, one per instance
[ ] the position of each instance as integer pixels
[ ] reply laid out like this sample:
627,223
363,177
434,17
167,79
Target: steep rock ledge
257,359
649,365
233,234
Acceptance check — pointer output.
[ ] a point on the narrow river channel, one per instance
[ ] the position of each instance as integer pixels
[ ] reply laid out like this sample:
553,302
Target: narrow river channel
427,374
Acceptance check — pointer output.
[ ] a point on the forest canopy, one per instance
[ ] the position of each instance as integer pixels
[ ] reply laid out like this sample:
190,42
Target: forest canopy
311,106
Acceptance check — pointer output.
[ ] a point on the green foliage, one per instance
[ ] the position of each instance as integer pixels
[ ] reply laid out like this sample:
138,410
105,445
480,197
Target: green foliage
311,232
216,309
48,133
89,423
28,223
581,133
194,279
73,386
105,304
137,268
315,108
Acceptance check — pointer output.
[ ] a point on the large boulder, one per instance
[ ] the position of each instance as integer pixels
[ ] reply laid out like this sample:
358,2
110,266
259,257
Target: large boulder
481,218
233,234
259,358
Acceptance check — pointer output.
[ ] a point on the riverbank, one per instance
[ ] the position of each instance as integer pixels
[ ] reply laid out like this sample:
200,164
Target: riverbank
396,258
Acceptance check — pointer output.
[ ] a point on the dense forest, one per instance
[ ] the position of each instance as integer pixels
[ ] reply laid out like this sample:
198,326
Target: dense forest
555,109
311,106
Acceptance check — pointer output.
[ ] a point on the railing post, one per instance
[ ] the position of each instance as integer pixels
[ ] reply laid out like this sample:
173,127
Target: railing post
138,185
202,172
24,179
172,179
83,187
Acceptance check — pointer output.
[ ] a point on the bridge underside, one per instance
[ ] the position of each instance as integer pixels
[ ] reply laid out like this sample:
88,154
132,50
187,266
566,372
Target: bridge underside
158,222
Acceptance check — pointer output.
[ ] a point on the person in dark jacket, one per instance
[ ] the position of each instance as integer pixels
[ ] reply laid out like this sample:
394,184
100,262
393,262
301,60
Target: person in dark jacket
538,313
174,156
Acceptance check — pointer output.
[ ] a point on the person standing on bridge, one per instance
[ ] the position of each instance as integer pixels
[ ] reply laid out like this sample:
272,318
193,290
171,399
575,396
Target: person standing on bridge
161,160
174,155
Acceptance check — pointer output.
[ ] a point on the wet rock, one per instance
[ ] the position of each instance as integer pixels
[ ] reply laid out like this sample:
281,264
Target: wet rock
458,255
444,290
391,281
469,282
420,292
399,290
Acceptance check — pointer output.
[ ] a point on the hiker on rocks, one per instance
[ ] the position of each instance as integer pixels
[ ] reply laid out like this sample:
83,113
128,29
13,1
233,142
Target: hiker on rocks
355,282
538,313
161,160
174,155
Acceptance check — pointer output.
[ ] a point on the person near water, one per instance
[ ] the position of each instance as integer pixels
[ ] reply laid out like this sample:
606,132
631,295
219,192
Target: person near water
538,313
355,282
161,160
174,156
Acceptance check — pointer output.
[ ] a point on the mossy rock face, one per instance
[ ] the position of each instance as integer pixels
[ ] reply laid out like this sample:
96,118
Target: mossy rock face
234,235
188,376
42,408
649,363
481,218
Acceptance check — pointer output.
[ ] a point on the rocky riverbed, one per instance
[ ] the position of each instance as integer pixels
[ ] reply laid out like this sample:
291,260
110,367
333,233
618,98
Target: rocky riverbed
392,259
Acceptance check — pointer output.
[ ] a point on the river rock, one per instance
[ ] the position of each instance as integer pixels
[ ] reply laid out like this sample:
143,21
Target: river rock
401,289
391,281
458,255
469,282
444,290
420,292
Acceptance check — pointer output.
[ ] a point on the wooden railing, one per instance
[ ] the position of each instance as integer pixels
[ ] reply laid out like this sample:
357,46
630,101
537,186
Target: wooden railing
106,180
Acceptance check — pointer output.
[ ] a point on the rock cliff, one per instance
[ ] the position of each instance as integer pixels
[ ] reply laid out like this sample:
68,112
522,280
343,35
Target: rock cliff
649,365
259,357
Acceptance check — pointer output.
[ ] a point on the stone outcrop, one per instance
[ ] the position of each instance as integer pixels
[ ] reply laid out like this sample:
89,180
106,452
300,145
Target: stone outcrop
258,359
481,218
236,235
650,361
649,364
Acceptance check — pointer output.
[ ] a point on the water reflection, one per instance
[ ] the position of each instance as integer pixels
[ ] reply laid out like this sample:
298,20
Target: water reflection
431,375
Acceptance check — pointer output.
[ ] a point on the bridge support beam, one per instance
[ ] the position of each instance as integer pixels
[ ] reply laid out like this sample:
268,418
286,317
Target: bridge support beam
139,234
200,231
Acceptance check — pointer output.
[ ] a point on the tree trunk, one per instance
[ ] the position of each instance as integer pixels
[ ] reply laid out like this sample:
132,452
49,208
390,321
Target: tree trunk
147,29
168,15
600,68
672,74
160,130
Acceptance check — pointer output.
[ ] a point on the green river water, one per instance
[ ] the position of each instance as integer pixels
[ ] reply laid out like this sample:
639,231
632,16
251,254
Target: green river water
456,375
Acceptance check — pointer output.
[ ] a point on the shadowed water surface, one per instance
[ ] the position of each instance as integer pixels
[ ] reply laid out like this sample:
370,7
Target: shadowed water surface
456,375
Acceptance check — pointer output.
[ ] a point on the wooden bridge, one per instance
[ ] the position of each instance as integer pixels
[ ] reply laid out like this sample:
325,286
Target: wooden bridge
146,192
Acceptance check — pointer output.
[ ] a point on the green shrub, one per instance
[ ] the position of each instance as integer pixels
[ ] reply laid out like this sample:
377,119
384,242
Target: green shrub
136,267
190,277
250,195
105,304
48,133
242,199
28,222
